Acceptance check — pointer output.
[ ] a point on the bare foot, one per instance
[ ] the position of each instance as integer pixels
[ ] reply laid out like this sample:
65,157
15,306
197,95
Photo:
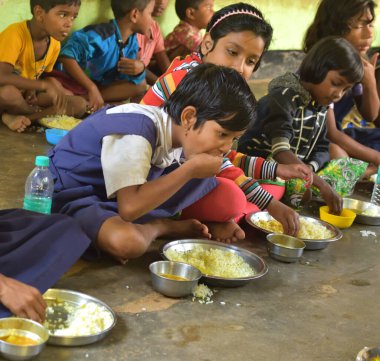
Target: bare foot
226,232
71,105
16,123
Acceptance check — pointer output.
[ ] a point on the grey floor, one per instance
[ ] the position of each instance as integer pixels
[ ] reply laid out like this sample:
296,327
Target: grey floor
324,307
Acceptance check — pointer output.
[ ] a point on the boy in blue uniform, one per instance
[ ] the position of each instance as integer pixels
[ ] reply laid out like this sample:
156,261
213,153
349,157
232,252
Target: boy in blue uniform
125,171
100,61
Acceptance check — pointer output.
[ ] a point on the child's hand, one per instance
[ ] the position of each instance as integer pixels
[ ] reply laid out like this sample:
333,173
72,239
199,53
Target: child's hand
22,300
369,69
204,165
332,199
95,99
286,216
297,170
31,97
130,66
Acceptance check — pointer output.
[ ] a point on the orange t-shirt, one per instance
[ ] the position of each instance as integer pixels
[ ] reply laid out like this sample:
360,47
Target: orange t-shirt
16,48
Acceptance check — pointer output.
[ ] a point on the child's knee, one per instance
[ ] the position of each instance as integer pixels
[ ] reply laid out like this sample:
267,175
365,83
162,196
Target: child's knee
123,243
8,93
225,202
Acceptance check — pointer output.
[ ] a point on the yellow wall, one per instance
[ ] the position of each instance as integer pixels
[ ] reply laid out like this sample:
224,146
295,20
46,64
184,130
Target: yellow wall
289,18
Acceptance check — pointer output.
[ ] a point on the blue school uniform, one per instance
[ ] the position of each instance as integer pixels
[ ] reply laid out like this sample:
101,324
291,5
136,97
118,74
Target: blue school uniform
77,170
98,48
37,249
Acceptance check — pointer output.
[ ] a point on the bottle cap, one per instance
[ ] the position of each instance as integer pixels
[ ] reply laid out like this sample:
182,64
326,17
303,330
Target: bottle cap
42,161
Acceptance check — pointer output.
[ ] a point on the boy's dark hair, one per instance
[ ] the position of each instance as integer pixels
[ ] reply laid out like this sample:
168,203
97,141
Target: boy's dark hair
182,5
332,18
252,19
332,53
218,93
49,4
122,7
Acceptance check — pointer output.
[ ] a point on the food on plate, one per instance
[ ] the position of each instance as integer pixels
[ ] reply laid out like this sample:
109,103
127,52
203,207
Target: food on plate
65,319
213,262
308,230
60,122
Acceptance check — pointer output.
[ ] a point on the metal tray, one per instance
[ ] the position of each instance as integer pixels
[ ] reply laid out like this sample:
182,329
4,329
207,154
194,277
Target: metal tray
55,297
361,206
256,262
311,244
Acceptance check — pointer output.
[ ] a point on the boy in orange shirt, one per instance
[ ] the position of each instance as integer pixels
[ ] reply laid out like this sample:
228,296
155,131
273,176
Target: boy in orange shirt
29,49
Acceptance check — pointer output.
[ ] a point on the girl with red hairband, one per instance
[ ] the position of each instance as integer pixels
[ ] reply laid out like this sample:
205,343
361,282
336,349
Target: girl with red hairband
236,37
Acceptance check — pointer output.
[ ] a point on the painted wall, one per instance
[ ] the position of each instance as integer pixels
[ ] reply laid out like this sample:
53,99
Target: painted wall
289,18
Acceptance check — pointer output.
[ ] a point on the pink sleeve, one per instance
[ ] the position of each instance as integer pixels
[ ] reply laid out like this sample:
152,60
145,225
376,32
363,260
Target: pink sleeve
159,39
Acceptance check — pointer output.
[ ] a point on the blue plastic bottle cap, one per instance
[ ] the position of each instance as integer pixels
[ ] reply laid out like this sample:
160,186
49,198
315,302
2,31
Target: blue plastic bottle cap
42,161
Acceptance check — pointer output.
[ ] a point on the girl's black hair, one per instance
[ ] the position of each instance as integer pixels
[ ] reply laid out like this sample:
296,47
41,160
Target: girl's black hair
240,22
333,18
332,53
218,93
182,5
49,4
122,7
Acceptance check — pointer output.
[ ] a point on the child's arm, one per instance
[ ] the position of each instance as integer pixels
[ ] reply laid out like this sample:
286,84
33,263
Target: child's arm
162,60
368,103
259,168
351,146
8,77
135,201
22,300
72,67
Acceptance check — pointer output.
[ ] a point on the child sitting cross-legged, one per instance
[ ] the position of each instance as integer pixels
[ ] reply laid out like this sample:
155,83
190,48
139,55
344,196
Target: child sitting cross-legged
100,61
293,114
186,37
28,52
126,171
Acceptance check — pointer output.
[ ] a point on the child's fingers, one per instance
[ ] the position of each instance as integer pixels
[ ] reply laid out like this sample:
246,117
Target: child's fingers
374,58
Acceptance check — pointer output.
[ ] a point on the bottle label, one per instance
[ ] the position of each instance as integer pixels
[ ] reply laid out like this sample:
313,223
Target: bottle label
37,204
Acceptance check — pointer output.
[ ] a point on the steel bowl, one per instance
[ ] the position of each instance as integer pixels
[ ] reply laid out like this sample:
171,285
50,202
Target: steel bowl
61,303
359,207
285,248
253,260
311,244
368,354
13,326
187,278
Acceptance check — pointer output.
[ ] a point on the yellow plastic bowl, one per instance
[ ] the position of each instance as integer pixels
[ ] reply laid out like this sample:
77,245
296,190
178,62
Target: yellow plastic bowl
345,219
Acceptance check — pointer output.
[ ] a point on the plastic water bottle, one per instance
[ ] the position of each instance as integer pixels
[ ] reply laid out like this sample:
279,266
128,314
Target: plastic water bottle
39,187
375,199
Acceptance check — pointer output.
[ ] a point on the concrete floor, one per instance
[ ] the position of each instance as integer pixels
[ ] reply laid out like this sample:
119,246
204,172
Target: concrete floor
324,307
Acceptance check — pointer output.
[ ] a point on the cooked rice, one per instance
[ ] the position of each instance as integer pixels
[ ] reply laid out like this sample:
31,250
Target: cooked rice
87,319
60,122
308,230
213,262
202,293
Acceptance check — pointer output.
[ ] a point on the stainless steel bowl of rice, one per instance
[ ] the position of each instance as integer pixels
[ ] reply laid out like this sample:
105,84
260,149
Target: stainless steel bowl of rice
315,233
221,264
